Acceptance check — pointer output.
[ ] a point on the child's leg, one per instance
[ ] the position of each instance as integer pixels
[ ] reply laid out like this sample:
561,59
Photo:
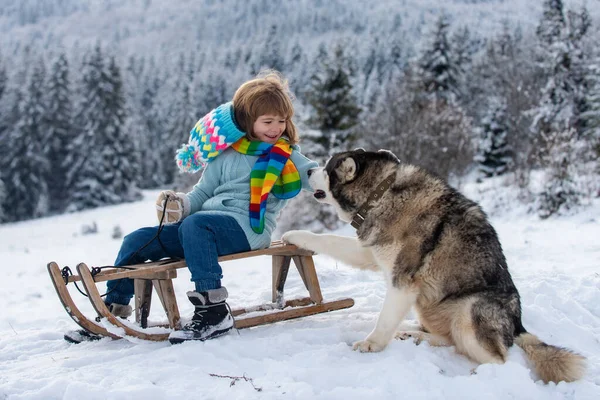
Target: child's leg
204,238
130,254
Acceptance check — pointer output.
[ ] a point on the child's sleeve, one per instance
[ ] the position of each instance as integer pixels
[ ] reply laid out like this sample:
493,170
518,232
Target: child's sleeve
205,188
303,164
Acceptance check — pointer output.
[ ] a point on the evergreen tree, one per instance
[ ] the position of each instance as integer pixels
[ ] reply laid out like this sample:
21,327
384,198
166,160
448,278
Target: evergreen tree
506,70
591,133
3,86
495,156
10,101
558,118
59,130
120,149
87,175
2,199
563,97
178,122
298,66
552,23
3,117
271,56
232,59
100,158
3,78
24,176
332,98
145,125
439,74
560,191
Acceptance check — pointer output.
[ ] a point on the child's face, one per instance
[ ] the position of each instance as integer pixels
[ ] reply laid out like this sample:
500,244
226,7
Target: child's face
269,128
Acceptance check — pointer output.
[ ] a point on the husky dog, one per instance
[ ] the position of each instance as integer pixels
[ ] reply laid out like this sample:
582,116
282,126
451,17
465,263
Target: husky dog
439,254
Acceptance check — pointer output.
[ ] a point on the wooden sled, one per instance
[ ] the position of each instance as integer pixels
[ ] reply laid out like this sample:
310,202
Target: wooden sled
159,276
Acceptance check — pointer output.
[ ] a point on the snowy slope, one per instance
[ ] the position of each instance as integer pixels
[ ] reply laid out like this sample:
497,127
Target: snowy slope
554,264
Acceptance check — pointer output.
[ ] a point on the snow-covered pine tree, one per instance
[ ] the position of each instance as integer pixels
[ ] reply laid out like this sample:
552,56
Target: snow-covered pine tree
271,55
24,177
560,191
557,120
144,122
552,23
87,175
495,155
439,74
298,67
591,117
333,101
94,176
3,85
3,117
2,198
3,78
135,124
563,99
465,45
211,91
507,70
10,101
179,121
579,24
58,126
120,149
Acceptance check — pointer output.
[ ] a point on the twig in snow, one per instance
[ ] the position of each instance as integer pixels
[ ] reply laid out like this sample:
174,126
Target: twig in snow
234,379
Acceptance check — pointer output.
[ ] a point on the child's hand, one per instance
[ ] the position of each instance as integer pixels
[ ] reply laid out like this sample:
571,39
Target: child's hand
177,206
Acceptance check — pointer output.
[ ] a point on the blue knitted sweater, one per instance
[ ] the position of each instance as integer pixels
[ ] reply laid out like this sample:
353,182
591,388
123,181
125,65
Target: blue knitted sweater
224,188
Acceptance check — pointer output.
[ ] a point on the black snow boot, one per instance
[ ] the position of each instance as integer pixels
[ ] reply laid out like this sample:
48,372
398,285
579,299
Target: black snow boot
211,317
82,335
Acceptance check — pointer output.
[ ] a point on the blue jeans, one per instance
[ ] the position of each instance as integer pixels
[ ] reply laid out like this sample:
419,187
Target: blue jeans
200,238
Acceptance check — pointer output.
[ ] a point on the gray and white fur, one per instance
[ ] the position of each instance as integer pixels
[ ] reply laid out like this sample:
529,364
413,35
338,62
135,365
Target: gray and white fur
439,254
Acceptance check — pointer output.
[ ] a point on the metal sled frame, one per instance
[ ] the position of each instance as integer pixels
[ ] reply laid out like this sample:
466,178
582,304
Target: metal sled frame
159,276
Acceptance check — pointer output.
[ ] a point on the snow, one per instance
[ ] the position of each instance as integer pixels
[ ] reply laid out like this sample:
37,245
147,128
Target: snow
554,264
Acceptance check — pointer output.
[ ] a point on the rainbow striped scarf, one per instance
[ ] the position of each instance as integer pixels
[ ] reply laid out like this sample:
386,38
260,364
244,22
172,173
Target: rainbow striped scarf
273,172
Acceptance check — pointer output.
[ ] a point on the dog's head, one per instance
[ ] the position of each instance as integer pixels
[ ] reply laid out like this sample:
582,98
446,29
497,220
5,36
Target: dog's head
349,177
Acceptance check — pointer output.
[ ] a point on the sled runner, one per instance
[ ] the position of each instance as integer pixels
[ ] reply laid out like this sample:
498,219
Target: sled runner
159,276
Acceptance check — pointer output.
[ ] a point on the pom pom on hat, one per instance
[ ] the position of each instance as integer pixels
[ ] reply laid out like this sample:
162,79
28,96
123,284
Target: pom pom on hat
212,134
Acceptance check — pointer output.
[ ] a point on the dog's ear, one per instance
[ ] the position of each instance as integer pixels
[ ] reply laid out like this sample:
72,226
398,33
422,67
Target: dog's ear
389,155
346,169
359,150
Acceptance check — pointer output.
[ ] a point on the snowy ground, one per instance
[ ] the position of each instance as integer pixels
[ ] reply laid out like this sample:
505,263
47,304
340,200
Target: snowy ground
555,264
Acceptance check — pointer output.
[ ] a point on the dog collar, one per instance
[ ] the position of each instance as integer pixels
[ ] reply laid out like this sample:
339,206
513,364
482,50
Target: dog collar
359,218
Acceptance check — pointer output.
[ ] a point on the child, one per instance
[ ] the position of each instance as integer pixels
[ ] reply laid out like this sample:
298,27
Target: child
252,166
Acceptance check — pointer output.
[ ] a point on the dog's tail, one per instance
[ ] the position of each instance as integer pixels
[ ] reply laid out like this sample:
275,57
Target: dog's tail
551,363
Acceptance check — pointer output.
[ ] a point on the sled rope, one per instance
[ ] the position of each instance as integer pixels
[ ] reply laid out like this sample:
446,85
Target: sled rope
66,271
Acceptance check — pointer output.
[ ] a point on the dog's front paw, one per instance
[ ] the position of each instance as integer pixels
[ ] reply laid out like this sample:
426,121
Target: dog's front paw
368,346
302,239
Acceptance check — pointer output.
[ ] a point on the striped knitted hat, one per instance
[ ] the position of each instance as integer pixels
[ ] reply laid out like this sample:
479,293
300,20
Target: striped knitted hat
212,134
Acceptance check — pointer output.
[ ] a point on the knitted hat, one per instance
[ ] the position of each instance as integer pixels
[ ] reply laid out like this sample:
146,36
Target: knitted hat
212,134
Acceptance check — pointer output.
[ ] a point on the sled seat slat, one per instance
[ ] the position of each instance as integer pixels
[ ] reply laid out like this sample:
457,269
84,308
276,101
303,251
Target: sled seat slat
144,270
